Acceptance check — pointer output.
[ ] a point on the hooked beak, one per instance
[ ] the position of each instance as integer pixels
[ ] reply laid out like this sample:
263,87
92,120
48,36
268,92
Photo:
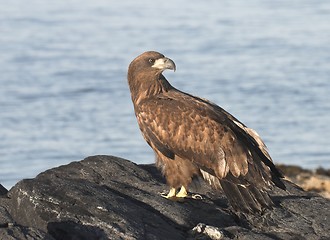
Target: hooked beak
164,63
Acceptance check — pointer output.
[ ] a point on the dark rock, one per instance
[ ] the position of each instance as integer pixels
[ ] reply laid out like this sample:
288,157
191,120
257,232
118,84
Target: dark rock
10,230
3,190
23,233
322,171
105,197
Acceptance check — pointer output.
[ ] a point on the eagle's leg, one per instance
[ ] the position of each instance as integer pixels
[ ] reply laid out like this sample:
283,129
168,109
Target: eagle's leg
182,193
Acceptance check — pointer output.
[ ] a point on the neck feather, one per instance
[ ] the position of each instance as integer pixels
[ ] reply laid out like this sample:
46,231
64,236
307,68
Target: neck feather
144,86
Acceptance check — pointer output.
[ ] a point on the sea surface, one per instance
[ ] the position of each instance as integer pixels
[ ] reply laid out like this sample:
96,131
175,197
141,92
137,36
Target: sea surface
63,66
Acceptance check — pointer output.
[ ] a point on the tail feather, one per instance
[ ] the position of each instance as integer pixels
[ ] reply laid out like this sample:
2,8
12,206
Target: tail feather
247,199
248,193
262,197
234,196
278,182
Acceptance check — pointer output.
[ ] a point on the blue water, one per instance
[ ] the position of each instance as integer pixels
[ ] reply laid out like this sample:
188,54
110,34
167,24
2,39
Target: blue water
63,66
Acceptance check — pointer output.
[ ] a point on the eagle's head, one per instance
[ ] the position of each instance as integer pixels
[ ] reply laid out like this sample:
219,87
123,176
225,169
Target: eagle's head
151,62
145,76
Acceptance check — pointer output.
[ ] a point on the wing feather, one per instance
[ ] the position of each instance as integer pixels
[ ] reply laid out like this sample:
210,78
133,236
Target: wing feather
189,131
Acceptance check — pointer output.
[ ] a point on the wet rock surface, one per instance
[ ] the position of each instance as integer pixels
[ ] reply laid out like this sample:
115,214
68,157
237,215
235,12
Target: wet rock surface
105,197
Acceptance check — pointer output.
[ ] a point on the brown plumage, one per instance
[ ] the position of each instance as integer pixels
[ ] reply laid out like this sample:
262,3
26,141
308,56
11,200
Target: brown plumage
194,137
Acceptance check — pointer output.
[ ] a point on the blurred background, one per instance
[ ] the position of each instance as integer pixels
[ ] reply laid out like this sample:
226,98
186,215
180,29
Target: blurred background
63,66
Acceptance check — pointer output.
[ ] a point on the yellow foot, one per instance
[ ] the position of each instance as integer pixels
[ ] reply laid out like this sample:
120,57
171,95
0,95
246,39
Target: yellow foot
180,196
182,193
171,194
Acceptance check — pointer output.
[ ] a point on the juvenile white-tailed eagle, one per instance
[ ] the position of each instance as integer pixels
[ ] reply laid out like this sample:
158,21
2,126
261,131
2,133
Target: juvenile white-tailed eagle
194,137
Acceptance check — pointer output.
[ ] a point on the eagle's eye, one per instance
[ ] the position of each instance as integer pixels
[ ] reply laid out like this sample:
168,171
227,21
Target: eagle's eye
151,60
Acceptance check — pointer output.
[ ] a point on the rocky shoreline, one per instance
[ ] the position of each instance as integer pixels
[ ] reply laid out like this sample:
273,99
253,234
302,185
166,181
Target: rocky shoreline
105,197
317,181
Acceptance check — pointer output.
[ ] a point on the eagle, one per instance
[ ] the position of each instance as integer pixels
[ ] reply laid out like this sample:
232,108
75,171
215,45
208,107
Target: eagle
193,137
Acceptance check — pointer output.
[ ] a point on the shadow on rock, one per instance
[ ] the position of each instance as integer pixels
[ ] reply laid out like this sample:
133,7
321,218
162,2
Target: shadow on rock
70,230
